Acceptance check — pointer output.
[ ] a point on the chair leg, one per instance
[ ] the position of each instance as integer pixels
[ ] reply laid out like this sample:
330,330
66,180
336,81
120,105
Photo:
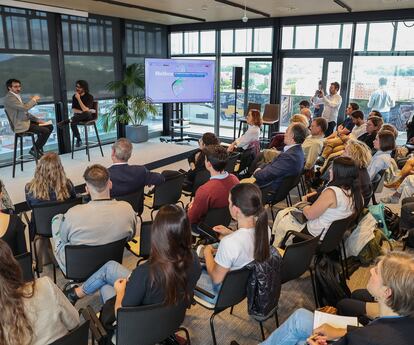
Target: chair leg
231,310
87,143
213,333
36,258
152,215
97,137
276,318
262,330
315,295
299,192
345,262
15,154
35,147
73,144
21,153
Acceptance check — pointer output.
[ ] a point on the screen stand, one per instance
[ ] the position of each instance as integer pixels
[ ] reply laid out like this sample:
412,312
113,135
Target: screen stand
178,123
235,114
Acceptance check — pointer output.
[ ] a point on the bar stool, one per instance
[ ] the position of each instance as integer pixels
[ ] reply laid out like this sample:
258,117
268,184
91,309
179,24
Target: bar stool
20,158
85,125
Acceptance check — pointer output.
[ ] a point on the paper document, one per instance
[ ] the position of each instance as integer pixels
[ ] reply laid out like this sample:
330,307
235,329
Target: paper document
334,320
47,123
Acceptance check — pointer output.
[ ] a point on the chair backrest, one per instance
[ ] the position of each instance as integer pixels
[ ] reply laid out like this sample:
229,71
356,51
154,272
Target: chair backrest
297,258
285,187
376,181
78,336
148,325
44,212
231,162
201,177
271,112
233,289
168,192
95,106
334,235
217,216
136,200
145,239
25,262
8,118
251,106
82,261
255,147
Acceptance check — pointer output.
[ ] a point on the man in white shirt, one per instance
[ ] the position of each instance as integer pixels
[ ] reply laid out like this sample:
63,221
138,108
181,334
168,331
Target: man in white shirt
313,144
380,100
332,103
360,127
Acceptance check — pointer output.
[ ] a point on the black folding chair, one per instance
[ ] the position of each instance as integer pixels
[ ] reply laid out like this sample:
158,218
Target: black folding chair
201,177
232,292
135,199
144,242
82,261
26,264
217,216
42,216
231,162
167,193
376,183
297,260
78,336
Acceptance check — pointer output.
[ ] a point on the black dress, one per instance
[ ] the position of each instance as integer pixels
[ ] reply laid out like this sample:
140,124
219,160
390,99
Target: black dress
14,235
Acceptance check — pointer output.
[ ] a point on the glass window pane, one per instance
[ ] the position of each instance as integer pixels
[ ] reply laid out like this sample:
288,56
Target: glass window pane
207,42
150,43
329,36
263,40
158,43
243,40
191,42
397,70
109,40
334,72
380,36
2,40
96,70
65,34
29,69
17,32
227,41
346,36
287,37
305,37
141,43
176,43
405,36
361,30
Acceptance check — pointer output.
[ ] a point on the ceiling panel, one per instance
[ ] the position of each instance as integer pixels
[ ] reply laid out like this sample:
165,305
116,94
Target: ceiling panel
211,10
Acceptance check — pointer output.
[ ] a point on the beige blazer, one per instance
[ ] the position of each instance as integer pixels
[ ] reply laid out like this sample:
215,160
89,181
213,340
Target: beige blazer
17,113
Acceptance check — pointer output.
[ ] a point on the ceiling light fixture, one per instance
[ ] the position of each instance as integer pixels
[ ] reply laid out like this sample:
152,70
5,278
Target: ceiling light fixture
245,18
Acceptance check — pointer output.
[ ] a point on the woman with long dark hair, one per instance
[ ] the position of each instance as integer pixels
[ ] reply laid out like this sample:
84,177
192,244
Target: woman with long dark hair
169,275
237,248
34,313
341,199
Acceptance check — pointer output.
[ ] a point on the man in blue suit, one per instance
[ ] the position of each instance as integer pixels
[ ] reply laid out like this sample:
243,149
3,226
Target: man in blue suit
127,178
289,163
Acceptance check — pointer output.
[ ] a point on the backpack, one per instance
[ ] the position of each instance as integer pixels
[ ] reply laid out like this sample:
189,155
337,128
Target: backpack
392,220
409,241
407,215
264,285
330,285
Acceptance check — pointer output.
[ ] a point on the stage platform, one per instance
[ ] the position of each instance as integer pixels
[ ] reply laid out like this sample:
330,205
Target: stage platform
153,154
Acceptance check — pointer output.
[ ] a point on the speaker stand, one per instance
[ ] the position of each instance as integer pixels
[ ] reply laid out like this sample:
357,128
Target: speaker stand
235,114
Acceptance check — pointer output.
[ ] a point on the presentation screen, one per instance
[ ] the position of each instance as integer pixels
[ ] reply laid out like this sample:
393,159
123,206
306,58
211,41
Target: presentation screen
179,81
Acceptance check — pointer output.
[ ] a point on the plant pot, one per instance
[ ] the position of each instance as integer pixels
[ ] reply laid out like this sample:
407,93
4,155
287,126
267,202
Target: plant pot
136,134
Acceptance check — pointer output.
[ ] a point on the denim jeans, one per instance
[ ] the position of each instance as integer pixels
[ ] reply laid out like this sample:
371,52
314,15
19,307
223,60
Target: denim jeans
207,284
294,331
104,279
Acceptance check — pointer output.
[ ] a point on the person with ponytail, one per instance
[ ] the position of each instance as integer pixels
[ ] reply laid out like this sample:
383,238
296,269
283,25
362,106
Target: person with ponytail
237,248
33,313
341,199
169,275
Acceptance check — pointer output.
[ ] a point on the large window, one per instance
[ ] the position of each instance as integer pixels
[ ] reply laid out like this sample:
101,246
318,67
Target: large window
257,40
88,48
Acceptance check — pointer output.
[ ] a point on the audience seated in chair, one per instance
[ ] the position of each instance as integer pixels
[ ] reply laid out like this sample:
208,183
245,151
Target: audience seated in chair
384,143
214,193
36,312
197,160
236,248
6,204
346,127
125,178
374,124
100,221
12,230
392,284
169,275
289,163
339,200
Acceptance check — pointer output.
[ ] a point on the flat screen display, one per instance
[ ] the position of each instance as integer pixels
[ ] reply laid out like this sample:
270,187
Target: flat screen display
179,81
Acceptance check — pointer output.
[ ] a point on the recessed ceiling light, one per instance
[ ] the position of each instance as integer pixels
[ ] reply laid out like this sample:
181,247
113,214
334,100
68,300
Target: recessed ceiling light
204,7
286,9
189,9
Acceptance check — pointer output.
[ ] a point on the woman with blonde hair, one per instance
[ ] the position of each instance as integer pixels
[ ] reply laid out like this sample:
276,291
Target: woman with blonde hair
49,182
33,313
361,154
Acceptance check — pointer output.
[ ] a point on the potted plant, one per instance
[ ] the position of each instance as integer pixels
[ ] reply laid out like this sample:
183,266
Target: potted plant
131,109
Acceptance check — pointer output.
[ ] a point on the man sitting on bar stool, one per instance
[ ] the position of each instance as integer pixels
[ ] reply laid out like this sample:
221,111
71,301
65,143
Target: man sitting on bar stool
20,118
82,108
